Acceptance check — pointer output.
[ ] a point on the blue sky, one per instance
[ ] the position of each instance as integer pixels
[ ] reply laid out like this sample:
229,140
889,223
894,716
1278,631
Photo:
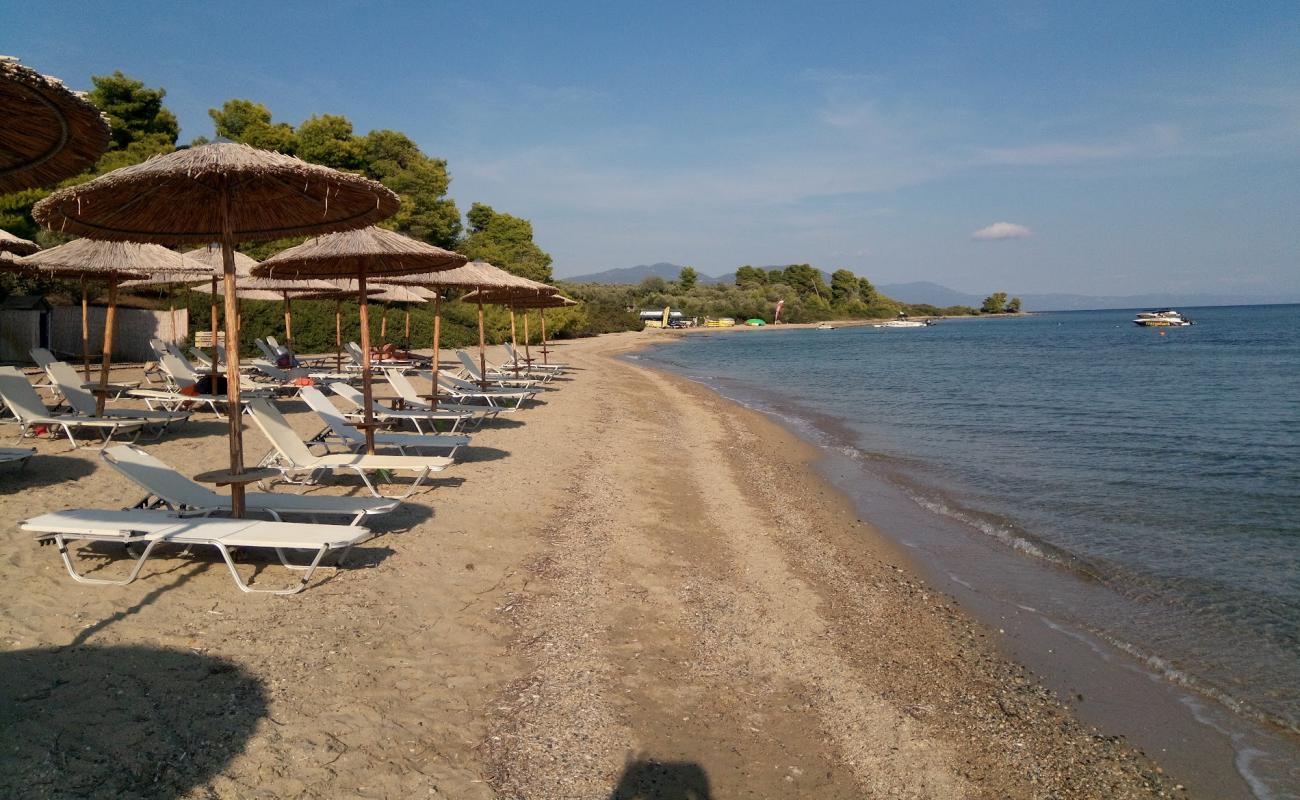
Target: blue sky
1126,147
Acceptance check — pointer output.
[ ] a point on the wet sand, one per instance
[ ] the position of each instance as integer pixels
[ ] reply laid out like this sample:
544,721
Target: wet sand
633,589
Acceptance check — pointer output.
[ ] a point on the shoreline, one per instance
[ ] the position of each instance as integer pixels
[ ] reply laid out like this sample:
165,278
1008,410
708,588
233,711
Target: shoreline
1198,735
636,580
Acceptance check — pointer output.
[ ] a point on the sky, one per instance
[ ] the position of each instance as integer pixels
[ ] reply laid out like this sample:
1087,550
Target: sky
1095,148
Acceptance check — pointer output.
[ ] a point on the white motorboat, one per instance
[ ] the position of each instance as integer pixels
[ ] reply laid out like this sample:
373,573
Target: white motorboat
1164,318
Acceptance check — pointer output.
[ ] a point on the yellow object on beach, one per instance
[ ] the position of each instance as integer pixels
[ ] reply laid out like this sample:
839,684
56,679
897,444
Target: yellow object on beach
721,322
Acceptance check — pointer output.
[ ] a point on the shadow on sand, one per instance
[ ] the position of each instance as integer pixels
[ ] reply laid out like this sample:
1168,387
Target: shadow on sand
121,721
648,779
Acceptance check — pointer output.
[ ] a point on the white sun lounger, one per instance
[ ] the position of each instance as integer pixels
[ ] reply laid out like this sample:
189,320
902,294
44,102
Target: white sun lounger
529,365
44,358
472,371
454,415
338,430
290,455
463,398
26,405
169,488
83,402
152,528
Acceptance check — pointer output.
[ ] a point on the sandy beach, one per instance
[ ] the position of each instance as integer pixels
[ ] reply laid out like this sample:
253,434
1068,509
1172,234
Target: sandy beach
633,589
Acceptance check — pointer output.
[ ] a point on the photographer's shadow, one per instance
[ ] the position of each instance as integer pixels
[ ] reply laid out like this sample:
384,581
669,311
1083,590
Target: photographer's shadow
645,778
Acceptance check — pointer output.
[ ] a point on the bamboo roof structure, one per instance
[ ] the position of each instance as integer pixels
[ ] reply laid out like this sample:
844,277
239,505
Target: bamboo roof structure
115,261
213,192
16,244
47,131
520,301
372,252
473,275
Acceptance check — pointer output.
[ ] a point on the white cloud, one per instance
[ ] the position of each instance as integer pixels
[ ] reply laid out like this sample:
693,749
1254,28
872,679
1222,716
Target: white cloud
1002,230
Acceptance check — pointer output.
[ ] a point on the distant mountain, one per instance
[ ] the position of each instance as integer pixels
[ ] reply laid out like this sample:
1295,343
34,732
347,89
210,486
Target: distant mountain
929,293
633,275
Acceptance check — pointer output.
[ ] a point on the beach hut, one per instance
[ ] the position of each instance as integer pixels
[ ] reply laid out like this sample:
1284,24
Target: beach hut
218,192
47,131
359,255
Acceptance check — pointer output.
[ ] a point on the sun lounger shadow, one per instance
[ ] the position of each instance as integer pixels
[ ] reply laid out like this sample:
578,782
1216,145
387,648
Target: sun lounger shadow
121,721
649,779
41,470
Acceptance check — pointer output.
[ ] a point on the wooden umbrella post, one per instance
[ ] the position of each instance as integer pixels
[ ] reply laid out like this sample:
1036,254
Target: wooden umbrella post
482,345
367,392
85,330
102,395
407,338
171,306
383,327
545,350
437,331
216,358
288,322
528,356
514,340
234,411
338,334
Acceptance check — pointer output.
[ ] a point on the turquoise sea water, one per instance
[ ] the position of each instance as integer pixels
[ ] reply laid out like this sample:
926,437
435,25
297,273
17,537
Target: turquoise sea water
1164,467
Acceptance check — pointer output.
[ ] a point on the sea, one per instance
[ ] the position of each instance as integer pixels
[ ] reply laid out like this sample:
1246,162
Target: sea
1121,504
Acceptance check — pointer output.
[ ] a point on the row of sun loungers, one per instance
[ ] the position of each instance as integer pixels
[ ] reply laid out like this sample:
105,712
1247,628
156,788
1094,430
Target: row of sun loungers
177,511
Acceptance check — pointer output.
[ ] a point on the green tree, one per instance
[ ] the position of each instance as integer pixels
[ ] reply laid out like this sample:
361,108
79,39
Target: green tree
688,278
995,303
1013,305
750,277
844,287
505,241
805,279
775,276
866,291
249,122
426,212
327,139
136,114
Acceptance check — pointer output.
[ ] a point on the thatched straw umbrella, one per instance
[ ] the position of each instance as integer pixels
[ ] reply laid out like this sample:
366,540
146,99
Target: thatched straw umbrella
341,291
113,262
47,131
222,192
16,244
359,255
474,276
403,296
524,302
250,287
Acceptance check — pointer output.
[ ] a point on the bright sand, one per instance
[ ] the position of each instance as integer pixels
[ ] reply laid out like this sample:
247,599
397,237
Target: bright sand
634,584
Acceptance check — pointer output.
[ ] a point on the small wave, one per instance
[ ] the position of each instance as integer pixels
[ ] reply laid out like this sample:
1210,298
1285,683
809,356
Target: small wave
1001,533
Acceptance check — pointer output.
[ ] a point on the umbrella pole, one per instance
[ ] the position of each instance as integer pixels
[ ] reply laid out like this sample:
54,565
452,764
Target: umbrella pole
367,391
85,330
234,410
542,313
383,327
514,341
288,322
102,394
338,334
216,358
528,357
482,347
171,303
407,337
437,330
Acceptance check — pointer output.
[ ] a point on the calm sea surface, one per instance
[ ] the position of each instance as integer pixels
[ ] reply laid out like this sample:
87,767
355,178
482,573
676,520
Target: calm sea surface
1162,467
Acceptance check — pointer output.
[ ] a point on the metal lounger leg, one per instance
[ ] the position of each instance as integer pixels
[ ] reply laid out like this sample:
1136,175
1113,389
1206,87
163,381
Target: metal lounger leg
62,544
302,582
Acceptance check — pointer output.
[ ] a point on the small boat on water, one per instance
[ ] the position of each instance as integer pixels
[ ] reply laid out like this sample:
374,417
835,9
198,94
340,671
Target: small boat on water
1164,318
825,326
904,322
